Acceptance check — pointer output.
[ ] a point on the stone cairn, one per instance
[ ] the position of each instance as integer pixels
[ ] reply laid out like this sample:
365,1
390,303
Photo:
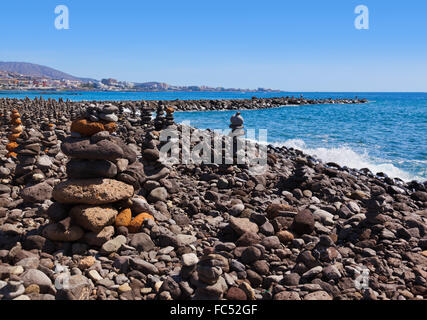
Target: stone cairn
98,187
16,131
49,141
237,131
160,119
146,112
169,122
28,154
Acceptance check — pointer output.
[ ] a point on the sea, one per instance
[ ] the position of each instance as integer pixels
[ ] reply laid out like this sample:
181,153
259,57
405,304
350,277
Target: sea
388,134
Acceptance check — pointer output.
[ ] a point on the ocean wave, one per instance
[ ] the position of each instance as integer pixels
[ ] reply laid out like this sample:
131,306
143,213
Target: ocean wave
345,156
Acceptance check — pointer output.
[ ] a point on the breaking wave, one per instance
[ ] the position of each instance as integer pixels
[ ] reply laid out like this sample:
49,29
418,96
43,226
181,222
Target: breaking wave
345,156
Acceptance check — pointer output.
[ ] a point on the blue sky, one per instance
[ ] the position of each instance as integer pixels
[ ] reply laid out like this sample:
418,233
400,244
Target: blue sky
290,45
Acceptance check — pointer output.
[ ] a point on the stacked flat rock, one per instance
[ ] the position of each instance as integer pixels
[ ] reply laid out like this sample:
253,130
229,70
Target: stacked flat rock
16,130
169,121
237,125
28,154
87,203
146,112
49,141
160,118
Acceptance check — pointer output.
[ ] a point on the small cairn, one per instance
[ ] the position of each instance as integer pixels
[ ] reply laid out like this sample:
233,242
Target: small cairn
237,131
49,141
160,119
16,131
88,203
237,128
169,121
28,154
146,112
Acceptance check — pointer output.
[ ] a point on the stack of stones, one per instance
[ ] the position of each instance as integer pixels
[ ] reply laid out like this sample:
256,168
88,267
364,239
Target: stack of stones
28,154
237,130
169,121
146,112
49,141
16,131
160,119
89,202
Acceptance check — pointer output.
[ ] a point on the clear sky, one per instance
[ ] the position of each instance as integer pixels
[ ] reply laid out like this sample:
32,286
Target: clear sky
290,45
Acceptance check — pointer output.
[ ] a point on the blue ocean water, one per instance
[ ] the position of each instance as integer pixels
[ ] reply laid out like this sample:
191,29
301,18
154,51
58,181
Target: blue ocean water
388,135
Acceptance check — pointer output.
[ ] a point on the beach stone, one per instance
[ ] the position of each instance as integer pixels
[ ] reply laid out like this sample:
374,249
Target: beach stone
124,218
236,294
83,169
92,191
136,223
57,212
142,242
55,232
285,236
86,262
318,295
34,276
98,239
287,295
189,259
158,194
242,225
37,193
109,117
84,149
44,162
113,245
88,128
144,266
303,222
93,218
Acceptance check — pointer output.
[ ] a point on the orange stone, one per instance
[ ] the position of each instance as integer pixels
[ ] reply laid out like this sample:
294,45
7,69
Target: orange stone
86,128
17,129
136,223
11,146
11,155
12,137
51,125
110,127
16,121
15,115
124,218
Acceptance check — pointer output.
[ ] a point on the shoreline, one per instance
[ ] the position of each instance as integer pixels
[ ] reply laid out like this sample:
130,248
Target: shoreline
208,104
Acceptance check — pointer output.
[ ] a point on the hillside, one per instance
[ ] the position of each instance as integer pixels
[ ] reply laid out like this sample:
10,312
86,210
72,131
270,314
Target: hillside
36,70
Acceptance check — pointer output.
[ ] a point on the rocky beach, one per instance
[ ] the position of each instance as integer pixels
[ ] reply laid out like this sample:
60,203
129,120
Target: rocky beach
89,211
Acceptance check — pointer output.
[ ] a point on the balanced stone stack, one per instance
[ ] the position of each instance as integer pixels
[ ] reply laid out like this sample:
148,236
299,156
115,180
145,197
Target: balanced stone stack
16,131
146,112
160,119
169,121
28,154
89,201
49,141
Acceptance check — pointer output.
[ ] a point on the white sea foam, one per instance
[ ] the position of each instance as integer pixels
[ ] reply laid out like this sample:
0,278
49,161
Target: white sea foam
345,156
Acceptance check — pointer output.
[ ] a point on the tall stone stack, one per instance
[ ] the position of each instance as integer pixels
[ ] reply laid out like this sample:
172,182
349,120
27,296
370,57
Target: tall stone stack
160,119
51,146
237,131
88,203
146,112
169,121
16,130
28,154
